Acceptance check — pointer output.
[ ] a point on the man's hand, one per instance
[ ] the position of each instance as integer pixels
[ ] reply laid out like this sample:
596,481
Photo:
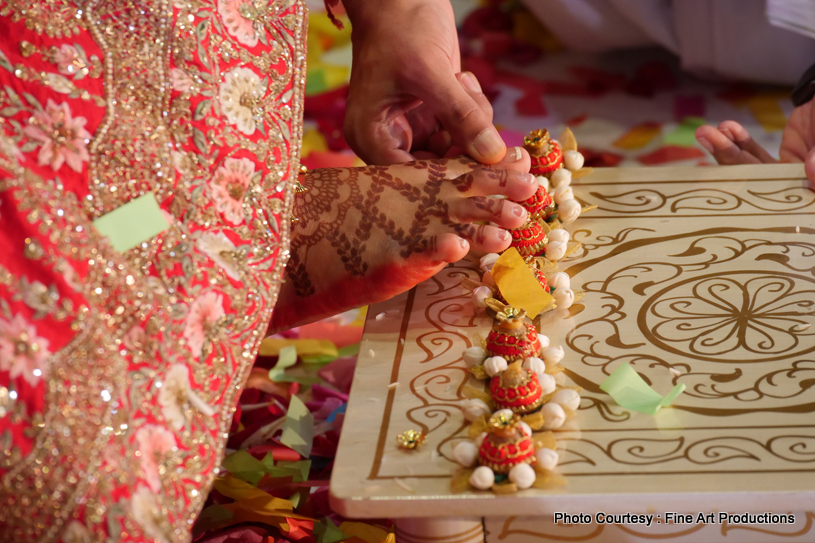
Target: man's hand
731,144
407,97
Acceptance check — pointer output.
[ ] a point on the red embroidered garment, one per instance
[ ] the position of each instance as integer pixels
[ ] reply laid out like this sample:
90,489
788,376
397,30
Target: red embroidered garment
119,371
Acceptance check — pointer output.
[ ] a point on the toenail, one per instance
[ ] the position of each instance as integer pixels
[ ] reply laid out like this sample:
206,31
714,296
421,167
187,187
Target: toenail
503,235
514,154
706,144
530,178
518,211
463,242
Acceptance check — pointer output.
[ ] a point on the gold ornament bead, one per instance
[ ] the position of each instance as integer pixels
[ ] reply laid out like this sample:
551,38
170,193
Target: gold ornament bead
411,439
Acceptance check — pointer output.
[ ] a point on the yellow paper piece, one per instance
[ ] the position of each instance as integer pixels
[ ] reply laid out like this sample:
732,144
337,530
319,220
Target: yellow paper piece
639,136
767,111
518,285
304,347
366,532
251,497
313,140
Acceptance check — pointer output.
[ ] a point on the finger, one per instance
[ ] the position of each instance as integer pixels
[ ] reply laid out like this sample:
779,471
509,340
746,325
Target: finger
489,239
514,185
470,126
470,83
809,166
736,132
440,142
723,149
376,139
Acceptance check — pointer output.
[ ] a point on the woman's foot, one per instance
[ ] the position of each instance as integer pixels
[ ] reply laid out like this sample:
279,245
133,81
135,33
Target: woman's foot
367,234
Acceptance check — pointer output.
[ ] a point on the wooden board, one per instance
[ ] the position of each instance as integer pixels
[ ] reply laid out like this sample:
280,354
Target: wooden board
709,271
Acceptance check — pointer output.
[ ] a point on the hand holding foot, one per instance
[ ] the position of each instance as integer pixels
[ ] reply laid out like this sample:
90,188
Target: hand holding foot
730,143
367,234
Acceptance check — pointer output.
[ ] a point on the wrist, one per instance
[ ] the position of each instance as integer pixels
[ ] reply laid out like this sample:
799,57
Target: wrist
365,13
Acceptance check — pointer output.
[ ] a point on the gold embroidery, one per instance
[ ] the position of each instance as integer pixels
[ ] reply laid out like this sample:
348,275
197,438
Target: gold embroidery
138,302
54,18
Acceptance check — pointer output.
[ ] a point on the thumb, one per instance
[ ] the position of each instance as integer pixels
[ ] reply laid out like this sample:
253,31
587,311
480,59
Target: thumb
809,166
469,124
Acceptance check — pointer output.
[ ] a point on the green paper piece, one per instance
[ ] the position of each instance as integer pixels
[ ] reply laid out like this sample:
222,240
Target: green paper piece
133,223
214,515
348,350
304,380
286,359
684,135
630,391
301,468
244,466
328,532
321,359
298,429
315,82
298,471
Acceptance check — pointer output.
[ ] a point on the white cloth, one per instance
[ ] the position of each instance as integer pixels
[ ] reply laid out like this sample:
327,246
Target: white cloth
729,38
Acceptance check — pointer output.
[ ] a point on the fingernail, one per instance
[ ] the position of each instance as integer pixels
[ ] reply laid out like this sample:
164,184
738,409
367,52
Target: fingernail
706,144
729,134
463,242
503,235
470,82
518,211
488,143
514,154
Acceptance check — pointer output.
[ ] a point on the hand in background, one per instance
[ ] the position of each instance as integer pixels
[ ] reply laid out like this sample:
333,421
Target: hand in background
731,144
407,99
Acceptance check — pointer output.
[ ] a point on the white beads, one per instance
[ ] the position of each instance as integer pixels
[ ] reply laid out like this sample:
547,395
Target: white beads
543,182
535,364
564,298
544,341
523,475
488,261
555,250
480,295
495,365
475,408
553,416
547,458
480,439
466,454
568,398
474,356
561,194
547,382
568,211
561,178
560,280
559,234
573,160
482,478
552,355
